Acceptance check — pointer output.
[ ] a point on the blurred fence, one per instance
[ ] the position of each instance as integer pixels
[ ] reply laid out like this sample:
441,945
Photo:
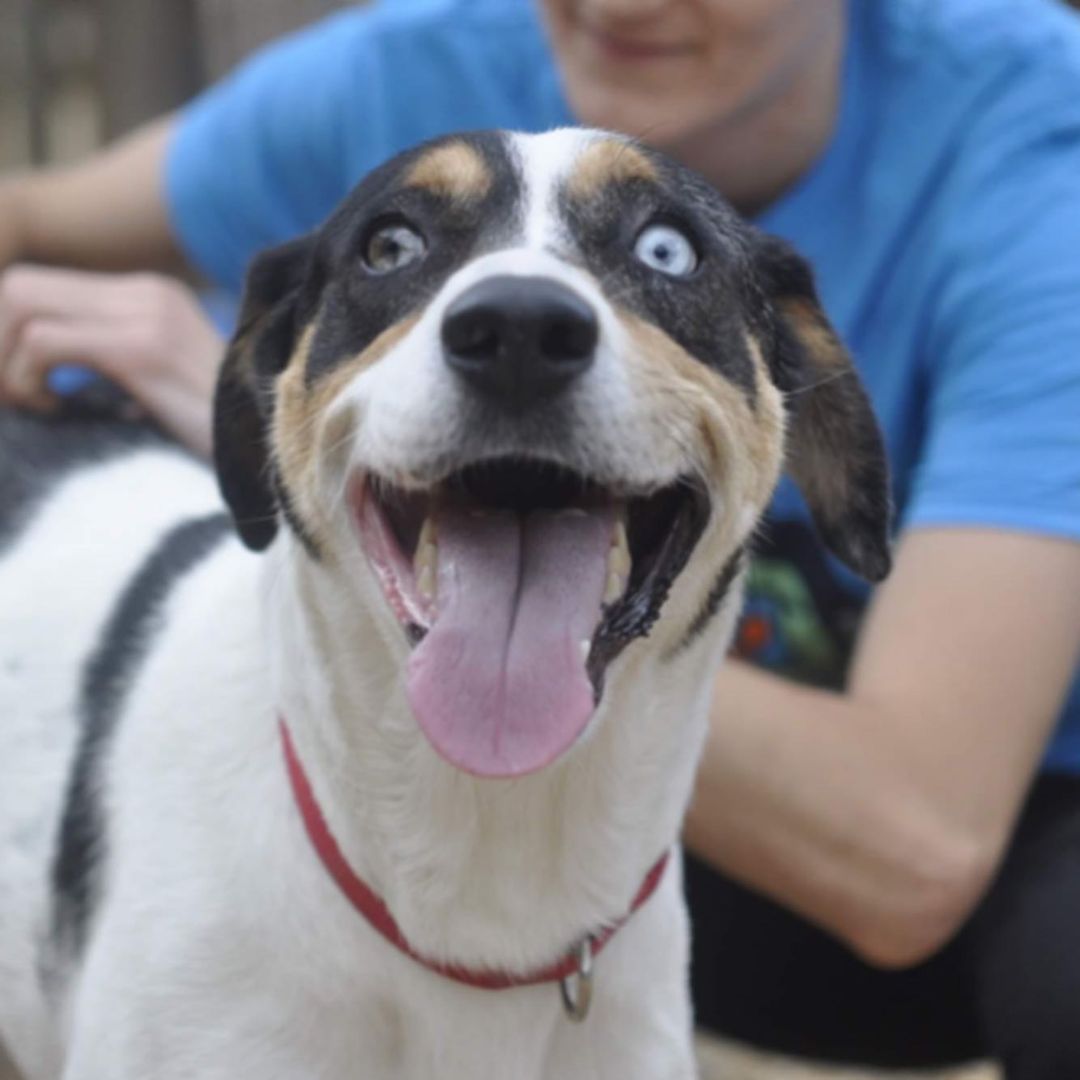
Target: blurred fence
76,72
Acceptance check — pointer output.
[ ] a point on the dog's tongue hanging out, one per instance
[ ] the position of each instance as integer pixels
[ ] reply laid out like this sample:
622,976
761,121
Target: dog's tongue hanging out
499,684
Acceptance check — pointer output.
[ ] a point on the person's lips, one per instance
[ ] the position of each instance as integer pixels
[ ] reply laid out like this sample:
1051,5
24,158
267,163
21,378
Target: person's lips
631,48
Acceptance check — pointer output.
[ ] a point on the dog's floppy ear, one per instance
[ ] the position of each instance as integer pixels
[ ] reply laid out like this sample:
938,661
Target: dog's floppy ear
835,452
260,350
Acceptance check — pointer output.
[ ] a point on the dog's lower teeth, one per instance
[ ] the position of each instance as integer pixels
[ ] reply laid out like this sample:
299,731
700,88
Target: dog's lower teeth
619,540
424,562
618,567
614,588
425,583
427,535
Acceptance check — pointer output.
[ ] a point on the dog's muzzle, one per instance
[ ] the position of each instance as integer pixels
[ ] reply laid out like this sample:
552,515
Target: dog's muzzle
520,577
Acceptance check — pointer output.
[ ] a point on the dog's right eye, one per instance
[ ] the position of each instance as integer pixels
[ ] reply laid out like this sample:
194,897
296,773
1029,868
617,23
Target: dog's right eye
393,247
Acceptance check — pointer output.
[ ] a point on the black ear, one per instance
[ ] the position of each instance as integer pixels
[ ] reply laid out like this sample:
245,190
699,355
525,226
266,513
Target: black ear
835,452
260,350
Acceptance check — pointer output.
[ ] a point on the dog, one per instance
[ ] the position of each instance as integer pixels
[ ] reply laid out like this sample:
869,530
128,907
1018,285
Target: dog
381,773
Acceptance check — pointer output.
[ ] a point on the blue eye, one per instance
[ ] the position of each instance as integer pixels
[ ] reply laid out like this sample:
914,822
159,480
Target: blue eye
664,248
393,247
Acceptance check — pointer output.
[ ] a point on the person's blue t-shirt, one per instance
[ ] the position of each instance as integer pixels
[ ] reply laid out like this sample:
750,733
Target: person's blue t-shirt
943,222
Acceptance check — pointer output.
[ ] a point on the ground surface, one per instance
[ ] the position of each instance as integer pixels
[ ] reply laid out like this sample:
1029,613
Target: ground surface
727,1062
724,1061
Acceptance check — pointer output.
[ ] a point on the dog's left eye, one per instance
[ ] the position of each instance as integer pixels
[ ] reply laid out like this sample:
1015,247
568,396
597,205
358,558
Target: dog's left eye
393,247
665,248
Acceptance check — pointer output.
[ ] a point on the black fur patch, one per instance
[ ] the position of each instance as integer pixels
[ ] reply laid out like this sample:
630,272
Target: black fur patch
293,519
37,452
355,306
108,673
835,450
716,597
707,312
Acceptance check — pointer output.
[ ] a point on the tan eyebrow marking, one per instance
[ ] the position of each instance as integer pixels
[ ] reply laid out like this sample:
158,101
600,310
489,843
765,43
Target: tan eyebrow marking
453,170
607,161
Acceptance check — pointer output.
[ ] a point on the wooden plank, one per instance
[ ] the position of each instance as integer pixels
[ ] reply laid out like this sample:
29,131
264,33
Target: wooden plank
149,59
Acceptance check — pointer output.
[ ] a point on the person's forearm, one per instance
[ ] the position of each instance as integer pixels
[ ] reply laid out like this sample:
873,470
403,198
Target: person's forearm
800,797
106,213
881,813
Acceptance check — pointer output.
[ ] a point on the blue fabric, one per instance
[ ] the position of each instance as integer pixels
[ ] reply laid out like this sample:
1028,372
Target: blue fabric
69,379
943,219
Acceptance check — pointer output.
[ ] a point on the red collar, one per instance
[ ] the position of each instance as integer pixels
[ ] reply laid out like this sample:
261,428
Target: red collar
378,915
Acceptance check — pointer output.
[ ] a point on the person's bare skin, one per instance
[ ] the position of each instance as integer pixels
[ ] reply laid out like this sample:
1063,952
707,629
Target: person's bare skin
144,329
880,813
106,213
743,91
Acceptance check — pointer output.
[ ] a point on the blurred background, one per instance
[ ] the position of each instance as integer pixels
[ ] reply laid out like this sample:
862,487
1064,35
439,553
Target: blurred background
74,73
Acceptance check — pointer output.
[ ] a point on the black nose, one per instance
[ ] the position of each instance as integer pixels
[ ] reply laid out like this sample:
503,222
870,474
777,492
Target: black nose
519,339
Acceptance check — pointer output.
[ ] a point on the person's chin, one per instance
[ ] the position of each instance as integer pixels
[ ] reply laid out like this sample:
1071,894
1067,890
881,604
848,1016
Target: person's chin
618,108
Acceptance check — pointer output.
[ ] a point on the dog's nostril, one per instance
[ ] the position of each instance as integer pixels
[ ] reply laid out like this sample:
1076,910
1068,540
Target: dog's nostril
519,339
569,336
472,334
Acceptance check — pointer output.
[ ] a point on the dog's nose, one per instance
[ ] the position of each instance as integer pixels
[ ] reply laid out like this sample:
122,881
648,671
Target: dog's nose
519,339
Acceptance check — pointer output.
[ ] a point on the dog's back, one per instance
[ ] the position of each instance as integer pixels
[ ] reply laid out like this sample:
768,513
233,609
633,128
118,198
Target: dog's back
83,504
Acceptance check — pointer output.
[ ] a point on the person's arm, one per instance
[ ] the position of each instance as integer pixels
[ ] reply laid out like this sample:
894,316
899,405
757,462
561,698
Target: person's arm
881,814
257,159
106,213
144,331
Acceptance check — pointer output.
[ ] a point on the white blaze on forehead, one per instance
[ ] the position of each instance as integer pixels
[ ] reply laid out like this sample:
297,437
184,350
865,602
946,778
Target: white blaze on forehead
547,160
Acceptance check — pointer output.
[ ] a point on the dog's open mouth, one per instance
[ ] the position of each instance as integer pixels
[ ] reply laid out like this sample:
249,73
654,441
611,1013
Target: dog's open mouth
520,581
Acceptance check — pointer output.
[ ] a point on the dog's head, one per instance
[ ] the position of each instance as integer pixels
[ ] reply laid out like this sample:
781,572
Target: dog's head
545,385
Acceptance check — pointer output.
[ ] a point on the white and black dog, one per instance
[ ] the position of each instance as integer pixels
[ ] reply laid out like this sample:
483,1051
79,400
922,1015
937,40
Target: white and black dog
358,796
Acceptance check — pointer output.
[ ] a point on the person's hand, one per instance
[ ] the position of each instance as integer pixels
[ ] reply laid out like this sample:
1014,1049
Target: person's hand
145,332
10,241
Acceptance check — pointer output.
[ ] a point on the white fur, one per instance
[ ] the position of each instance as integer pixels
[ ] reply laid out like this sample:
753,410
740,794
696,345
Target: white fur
221,948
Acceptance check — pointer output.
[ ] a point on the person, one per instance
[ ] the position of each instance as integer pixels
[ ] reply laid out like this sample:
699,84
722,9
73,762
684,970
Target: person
886,829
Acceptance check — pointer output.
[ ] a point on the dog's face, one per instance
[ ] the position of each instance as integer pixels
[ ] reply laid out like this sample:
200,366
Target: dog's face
544,384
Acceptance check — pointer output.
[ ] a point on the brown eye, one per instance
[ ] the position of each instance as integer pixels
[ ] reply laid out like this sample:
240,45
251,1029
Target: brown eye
393,247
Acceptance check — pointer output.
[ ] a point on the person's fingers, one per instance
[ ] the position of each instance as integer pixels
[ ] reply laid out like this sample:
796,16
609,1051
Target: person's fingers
35,292
146,333
44,344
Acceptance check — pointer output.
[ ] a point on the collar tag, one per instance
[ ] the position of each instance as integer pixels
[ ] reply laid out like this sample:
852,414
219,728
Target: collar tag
577,987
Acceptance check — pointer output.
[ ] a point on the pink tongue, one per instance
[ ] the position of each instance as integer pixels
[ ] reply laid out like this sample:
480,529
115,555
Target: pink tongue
499,683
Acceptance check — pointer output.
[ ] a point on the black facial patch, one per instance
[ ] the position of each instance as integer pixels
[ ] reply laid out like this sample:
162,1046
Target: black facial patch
295,522
108,673
356,305
707,312
717,594
635,614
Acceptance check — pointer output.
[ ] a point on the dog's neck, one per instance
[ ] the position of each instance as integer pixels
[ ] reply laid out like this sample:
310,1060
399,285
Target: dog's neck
486,873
